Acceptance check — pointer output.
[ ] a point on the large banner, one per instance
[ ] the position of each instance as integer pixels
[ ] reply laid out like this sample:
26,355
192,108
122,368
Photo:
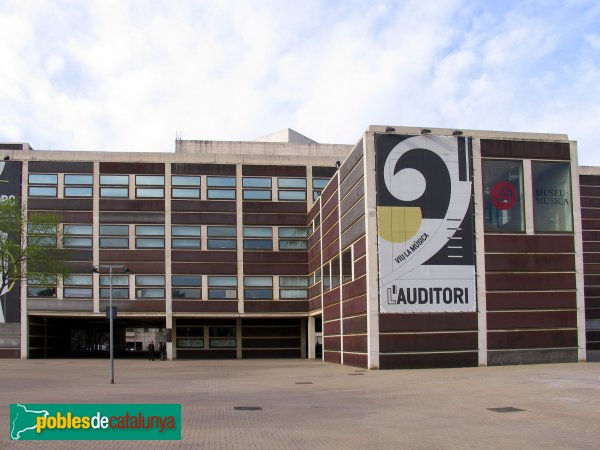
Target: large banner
10,187
425,224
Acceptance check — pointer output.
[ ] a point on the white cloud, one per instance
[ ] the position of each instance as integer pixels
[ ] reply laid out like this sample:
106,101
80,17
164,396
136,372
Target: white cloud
117,75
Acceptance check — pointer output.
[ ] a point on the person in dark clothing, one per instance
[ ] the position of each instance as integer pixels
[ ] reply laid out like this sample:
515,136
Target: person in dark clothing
163,351
151,350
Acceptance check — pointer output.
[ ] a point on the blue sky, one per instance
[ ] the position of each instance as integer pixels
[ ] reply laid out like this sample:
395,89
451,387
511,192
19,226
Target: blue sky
130,75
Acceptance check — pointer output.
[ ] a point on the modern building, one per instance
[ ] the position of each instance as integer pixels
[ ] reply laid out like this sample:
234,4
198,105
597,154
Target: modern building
413,248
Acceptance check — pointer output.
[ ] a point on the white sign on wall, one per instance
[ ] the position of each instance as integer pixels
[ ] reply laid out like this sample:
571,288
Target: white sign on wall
425,224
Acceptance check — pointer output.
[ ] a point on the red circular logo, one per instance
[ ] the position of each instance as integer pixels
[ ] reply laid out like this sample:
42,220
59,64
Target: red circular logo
504,195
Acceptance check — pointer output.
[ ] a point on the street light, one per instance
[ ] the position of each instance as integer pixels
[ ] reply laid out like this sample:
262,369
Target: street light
110,267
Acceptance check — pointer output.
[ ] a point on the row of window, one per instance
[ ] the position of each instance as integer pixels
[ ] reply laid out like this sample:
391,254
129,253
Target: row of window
194,337
182,187
184,237
183,287
503,190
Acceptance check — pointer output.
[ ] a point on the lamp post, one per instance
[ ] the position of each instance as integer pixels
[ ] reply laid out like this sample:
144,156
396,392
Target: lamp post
110,267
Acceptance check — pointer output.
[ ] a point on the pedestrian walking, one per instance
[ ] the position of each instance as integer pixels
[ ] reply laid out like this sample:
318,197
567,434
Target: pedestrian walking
151,350
163,351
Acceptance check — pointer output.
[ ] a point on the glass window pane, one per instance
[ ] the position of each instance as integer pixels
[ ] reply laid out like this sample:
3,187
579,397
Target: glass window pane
78,179
179,230
85,230
503,196
292,195
346,266
187,280
149,192
150,280
41,292
149,180
552,197
258,294
218,332
114,230
115,180
326,277
221,194
74,280
190,331
149,293
292,183
258,244
255,182
43,178
335,272
220,181
181,180
320,183
78,191
185,193
114,242
119,293
220,294
42,191
185,243
82,242
293,293
256,195
70,292
222,343
316,195
222,244
117,280
293,281
258,232
189,343
258,281
114,192
150,243
293,232
179,293
285,244
221,231
222,281
150,230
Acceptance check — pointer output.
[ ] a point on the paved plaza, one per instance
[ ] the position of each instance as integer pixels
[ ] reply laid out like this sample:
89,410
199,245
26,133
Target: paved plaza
310,404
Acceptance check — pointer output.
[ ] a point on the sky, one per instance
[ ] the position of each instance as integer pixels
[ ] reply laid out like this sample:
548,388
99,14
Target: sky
117,75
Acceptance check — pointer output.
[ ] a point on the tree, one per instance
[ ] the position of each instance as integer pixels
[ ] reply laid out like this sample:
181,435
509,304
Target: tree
30,247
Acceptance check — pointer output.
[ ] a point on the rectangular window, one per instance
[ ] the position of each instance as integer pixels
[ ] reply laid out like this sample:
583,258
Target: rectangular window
150,286
503,196
258,238
43,178
190,337
221,337
186,287
149,236
109,239
114,186
185,237
335,272
42,235
552,210
258,288
225,188
260,188
292,195
293,287
77,286
77,236
222,287
185,186
292,189
220,182
41,286
78,185
292,183
347,266
149,180
221,237
293,238
326,276
221,194
120,286
43,184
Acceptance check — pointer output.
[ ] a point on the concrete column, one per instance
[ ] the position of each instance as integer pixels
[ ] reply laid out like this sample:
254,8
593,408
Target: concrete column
96,238
238,338
303,331
528,196
240,237
168,269
312,337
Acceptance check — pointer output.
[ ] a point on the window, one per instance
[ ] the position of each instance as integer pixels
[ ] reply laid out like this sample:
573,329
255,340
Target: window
221,238
149,236
114,186
42,184
120,286
293,189
318,185
184,236
335,272
150,286
326,277
221,188
293,287
552,210
152,186
222,287
41,286
293,238
42,235
258,238
258,288
190,337
114,236
346,266
186,286
503,196
183,186
259,188
78,185
77,286
221,337
77,236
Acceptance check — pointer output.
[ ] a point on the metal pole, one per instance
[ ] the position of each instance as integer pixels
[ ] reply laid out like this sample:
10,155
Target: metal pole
112,366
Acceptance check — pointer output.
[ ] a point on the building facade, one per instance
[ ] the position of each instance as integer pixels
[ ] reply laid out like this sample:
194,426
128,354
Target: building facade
413,248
